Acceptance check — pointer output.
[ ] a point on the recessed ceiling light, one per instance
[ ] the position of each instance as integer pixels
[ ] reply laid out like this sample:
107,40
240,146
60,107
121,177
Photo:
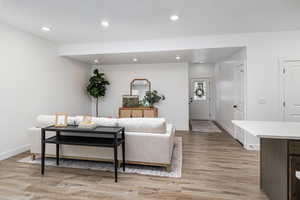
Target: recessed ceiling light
135,59
174,17
105,23
45,28
178,57
96,61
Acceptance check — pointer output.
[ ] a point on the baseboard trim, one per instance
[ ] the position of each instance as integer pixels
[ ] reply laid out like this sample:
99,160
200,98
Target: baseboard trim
251,147
14,152
223,128
218,125
183,131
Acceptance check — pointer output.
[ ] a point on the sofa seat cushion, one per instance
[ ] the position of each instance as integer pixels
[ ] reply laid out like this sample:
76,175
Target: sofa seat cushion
48,120
101,121
145,125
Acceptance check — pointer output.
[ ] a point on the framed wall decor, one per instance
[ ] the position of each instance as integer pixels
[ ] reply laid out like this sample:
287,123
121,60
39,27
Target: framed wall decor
130,100
61,120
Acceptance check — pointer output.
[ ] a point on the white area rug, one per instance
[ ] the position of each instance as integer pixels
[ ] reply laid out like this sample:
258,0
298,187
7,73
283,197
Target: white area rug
135,169
204,126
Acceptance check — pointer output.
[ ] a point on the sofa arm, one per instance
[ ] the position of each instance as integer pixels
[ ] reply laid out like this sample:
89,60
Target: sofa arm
171,131
150,147
34,137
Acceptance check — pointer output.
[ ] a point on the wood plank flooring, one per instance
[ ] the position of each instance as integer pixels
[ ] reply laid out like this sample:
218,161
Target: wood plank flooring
215,167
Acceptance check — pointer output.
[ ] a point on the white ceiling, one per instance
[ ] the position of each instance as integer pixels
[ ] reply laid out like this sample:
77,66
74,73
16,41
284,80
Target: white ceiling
192,56
76,21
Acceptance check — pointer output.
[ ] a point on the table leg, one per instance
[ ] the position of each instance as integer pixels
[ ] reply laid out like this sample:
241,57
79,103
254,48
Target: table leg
57,148
116,157
43,146
123,149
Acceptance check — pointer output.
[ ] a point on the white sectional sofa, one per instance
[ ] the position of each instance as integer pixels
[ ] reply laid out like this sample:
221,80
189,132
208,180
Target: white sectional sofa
149,141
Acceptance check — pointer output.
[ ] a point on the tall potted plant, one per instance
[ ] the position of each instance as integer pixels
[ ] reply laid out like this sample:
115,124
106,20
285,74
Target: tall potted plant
97,87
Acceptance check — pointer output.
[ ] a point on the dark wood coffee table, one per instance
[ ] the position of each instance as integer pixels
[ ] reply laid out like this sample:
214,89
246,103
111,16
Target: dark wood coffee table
100,136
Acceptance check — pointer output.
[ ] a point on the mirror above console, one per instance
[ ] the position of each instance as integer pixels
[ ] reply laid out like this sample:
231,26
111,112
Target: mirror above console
139,87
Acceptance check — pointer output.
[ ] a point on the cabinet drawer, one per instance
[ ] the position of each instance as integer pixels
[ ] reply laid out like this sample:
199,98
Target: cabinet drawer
294,147
137,113
149,113
125,113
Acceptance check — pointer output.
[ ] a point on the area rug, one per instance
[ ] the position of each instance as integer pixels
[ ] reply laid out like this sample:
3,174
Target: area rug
204,126
175,172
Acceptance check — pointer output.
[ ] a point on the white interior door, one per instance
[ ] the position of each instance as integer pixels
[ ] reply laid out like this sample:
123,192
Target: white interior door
199,103
238,107
291,97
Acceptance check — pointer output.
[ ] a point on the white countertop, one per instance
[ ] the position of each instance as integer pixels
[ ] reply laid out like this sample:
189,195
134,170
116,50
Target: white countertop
270,129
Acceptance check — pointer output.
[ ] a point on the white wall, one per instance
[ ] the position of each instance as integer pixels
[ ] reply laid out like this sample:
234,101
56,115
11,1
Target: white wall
170,79
225,95
35,80
201,70
263,53
205,70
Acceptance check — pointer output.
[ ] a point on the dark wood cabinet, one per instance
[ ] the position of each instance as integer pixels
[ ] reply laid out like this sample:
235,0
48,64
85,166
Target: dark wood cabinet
280,159
274,168
294,183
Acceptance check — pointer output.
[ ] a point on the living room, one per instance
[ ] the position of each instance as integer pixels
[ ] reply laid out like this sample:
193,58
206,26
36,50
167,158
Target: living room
50,50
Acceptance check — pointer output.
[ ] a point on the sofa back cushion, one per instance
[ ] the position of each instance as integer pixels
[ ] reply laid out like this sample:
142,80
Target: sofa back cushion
144,125
48,120
100,121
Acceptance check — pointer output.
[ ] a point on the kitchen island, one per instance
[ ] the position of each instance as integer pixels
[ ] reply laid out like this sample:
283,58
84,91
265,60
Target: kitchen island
279,156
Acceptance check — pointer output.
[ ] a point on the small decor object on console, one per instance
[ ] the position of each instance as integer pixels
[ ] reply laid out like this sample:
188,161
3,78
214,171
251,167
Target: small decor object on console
87,126
130,100
61,120
152,97
87,119
87,123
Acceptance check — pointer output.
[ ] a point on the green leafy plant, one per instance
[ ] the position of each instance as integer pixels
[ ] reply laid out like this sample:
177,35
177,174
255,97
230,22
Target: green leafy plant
152,97
97,87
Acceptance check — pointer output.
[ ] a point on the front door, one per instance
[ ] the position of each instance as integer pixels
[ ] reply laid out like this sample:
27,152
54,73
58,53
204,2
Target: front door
291,104
200,99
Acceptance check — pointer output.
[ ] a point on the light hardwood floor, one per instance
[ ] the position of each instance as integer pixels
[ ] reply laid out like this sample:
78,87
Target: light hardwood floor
215,167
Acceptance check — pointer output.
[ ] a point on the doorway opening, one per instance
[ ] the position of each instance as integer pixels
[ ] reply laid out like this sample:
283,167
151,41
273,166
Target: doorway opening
200,106
217,91
200,99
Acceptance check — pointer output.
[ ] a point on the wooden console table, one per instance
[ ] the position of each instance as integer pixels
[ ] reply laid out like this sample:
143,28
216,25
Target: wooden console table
135,112
100,136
